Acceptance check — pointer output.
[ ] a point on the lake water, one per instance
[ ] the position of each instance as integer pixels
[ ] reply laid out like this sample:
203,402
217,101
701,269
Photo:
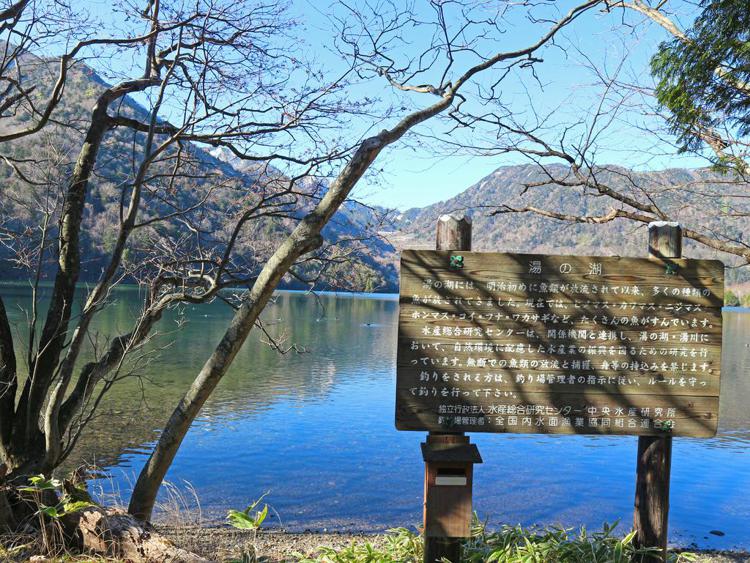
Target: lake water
316,431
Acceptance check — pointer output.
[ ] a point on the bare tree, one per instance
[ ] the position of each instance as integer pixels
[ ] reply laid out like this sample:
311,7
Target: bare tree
224,75
458,31
214,75
710,203
32,86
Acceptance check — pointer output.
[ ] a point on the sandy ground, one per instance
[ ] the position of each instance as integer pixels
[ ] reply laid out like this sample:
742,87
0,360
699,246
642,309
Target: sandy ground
224,543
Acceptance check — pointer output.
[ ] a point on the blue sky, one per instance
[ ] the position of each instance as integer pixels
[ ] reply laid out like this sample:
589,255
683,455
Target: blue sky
569,89
420,171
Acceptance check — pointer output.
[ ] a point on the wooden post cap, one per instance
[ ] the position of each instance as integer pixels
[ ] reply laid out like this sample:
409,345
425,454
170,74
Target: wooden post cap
654,462
453,232
665,239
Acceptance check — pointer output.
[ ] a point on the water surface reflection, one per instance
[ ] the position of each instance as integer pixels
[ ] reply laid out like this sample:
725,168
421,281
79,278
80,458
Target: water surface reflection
316,430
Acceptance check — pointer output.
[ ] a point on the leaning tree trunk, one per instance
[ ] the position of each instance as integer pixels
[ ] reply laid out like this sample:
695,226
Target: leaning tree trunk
26,446
22,441
305,238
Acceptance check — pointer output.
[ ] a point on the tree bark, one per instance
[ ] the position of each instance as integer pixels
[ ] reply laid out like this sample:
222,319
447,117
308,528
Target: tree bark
114,533
31,450
8,381
61,303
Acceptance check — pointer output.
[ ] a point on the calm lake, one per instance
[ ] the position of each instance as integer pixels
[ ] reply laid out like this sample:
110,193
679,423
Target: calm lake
316,430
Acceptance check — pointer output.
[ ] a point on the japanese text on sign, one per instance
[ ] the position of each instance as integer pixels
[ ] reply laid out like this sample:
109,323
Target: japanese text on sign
558,344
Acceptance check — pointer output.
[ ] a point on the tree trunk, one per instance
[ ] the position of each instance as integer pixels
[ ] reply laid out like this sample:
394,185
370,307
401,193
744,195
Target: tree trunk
114,533
305,238
54,332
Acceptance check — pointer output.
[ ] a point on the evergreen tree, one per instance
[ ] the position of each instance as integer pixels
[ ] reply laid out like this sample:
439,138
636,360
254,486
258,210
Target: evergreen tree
704,77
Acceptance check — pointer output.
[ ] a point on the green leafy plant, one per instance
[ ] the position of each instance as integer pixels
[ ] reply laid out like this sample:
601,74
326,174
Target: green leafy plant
399,545
249,519
43,490
245,520
509,544
514,544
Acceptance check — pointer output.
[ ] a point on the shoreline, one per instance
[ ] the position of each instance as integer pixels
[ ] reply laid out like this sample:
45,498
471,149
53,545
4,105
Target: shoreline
276,546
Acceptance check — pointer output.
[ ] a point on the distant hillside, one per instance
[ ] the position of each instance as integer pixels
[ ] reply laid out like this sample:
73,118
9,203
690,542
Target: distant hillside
48,157
515,232
369,239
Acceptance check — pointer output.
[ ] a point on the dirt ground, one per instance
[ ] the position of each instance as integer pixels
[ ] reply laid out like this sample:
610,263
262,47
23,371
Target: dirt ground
224,543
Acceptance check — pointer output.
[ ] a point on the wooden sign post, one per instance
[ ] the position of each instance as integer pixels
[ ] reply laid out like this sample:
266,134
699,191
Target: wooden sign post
653,468
445,515
529,343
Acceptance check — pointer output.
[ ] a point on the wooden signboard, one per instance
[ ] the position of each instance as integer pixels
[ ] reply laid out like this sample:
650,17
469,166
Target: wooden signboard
526,343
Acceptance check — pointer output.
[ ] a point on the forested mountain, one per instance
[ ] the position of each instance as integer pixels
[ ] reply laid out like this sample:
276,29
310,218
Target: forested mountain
526,232
367,239
213,190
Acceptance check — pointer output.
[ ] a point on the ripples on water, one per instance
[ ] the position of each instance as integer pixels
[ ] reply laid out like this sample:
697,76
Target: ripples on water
316,430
